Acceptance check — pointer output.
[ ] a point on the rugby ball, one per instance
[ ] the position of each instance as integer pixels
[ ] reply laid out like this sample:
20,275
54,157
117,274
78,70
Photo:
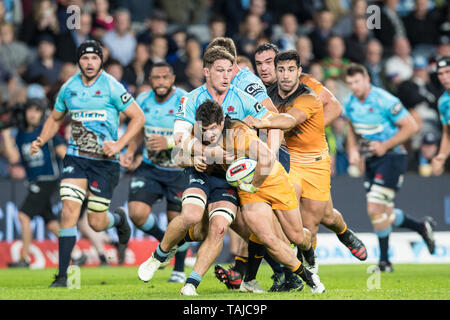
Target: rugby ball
241,169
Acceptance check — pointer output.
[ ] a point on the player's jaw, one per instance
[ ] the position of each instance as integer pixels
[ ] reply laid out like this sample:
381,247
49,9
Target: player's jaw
444,77
90,65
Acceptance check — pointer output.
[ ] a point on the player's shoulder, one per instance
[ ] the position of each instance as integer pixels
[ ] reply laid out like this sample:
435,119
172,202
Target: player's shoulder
144,96
444,100
383,96
311,82
73,81
179,92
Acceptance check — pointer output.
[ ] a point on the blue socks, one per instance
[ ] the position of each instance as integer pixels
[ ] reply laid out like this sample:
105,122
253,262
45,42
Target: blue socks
194,279
66,241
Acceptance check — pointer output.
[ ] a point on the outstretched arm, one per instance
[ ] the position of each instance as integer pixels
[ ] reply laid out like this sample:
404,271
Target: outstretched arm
51,127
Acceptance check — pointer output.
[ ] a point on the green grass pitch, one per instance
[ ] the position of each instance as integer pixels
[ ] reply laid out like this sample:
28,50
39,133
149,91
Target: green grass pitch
343,282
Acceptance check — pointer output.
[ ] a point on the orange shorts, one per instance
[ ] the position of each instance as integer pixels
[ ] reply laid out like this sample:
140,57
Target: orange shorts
314,179
277,191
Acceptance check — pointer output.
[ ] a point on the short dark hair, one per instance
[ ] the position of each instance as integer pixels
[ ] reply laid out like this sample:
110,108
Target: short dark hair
161,64
209,112
287,56
355,68
216,53
226,43
267,46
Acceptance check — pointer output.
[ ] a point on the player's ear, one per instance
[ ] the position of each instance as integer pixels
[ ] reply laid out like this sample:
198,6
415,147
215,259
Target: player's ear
206,72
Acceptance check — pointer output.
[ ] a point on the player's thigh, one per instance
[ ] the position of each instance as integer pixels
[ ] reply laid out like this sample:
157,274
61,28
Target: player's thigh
240,227
258,217
291,224
221,215
312,212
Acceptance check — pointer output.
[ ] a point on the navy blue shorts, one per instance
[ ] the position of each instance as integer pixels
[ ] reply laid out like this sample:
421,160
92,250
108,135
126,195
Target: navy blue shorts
149,184
285,159
215,188
386,171
102,175
39,200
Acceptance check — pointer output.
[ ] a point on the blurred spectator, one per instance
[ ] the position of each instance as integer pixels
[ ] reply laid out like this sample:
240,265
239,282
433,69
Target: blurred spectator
232,11
287,38
179,36
217,27
7,84
420,97
184,12
444,24
194,75
158,49
428,149
251,29
338,132
115,69
259,8
333,65
391,25
322,32
11,11
45,68
102,20
399,67
137,73
193,51
139,10
67,43
67,71
316,70
337,8
42,21
156,26
374,63
345,25
120,41
304,48
422,28
304,10
14,55
355,45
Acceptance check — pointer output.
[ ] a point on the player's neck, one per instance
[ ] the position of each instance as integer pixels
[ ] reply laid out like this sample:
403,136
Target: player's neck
90,81
217,96
284,94
365,95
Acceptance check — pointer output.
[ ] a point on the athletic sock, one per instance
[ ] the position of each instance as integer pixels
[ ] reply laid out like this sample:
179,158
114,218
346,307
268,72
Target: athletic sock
256,252
194,279
240,265
103,258
179,258
308,254
384,247
115,220
159,254
402,220
276,267
151,227
66,242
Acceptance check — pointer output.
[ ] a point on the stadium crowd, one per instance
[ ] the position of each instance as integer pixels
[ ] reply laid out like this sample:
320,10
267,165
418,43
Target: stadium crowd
38,50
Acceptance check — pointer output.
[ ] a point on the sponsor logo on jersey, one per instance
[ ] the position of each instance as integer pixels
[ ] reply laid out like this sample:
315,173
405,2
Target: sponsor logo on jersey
89,115
68,169
125,97
257,107
254,88
135,184
149,130
182,107
395,110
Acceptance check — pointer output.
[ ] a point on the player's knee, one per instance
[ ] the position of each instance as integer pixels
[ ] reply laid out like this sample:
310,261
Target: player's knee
137,214
71,193
97,225
193,207
98,204
23,218
379,196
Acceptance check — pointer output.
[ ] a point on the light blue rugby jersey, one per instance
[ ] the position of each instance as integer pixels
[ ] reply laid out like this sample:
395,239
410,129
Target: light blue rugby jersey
159,119
248,82
444,108
375,118
237,104
95,113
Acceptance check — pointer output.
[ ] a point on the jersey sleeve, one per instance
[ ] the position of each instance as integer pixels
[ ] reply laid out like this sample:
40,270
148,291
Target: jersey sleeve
252,107
396,111
120,97
307,103
314,84
186,109
256,90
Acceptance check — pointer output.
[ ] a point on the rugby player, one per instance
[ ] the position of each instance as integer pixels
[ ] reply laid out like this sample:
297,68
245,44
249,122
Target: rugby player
271,189
443,73
205,190
91,170
158,176
382,124
247,81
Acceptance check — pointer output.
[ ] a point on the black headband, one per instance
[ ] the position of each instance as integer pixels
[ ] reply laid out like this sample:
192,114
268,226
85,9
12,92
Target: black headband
89,46
443,62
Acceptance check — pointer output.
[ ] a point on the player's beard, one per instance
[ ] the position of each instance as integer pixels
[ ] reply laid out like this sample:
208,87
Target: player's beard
89,78
161,97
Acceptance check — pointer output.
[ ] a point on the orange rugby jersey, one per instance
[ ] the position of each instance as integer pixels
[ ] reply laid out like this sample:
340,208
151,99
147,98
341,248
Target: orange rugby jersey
311,82
306,142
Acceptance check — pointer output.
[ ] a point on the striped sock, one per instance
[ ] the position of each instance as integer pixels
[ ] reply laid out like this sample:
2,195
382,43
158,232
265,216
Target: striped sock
194,279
